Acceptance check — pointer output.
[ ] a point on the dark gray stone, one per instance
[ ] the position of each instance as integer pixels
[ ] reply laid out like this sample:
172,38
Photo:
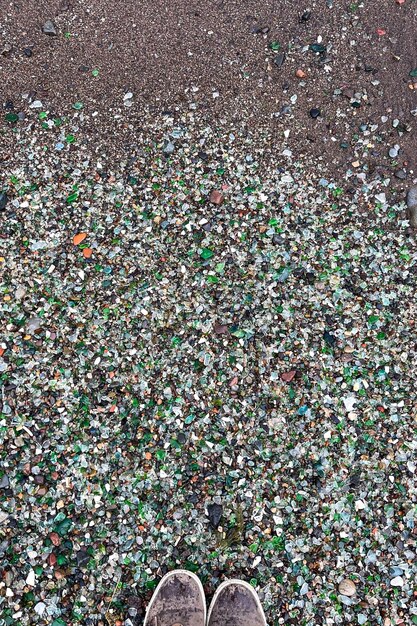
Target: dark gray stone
49,28
279,59
4,482
215,512
3,200
412,206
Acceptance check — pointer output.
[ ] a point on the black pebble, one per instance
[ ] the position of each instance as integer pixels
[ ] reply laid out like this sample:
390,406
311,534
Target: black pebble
260,30
27,52
354,480
82,558
181,438
3,200
329,339
215,512
314,113
305,16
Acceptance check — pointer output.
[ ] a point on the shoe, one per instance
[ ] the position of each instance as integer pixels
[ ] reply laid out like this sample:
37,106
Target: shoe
178,600
236,603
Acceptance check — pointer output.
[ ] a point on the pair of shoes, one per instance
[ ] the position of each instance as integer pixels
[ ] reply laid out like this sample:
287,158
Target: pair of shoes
179,600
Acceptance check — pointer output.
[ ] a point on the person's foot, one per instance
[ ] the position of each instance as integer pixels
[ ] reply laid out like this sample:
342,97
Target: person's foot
178,600
236,603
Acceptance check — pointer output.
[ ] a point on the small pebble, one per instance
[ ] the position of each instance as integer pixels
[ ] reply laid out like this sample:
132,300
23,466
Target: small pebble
3,200
279,59
347,587
215,512
169,148
315,113
216,197
49,28
412,206
40,608
4,482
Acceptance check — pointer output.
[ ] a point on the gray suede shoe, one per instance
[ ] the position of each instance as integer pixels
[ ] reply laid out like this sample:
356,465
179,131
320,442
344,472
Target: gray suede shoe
236,603
178,600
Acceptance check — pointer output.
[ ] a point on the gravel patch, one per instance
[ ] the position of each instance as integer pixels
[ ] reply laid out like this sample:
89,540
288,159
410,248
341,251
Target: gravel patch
207,360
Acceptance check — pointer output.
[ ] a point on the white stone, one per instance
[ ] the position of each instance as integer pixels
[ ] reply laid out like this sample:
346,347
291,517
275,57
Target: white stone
30,578
349,403
40,608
